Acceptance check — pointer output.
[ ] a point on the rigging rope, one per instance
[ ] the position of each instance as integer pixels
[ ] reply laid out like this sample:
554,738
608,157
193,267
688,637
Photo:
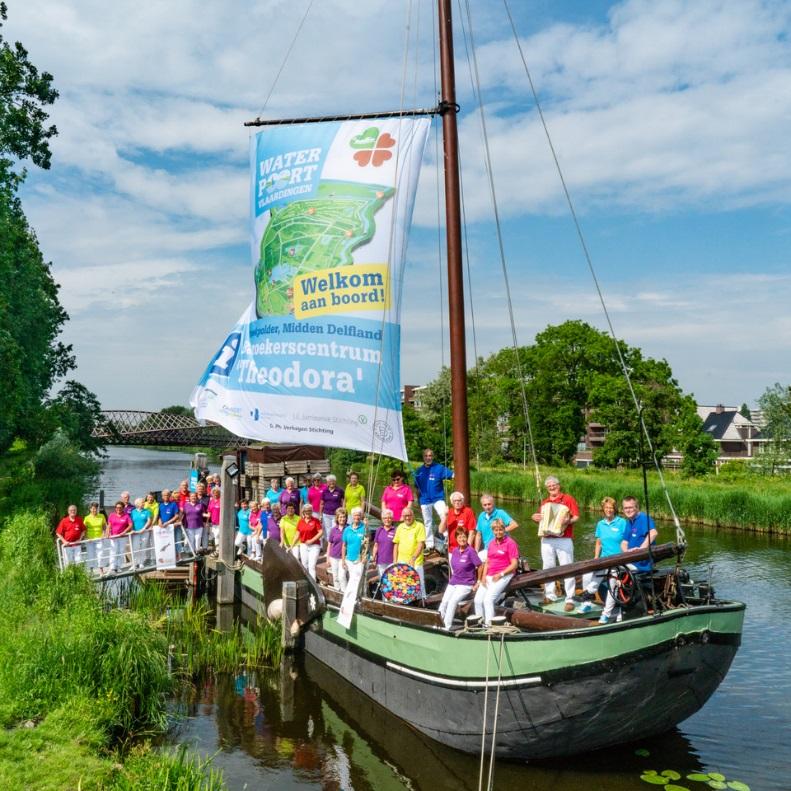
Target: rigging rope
496,712
680,537
501,247
485,707
287,55
376,458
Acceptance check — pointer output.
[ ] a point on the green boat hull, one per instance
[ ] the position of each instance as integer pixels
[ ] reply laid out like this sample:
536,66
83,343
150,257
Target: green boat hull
560,692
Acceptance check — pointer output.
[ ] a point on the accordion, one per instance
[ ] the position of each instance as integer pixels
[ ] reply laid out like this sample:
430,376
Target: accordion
554,517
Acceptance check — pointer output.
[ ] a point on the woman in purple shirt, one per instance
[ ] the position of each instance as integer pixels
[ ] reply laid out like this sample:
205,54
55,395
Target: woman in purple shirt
273,524
194,510
331,501
290,495
383,542
335,550
465,568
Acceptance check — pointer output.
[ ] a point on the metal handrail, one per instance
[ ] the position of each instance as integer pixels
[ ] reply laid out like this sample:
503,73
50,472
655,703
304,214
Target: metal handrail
120,556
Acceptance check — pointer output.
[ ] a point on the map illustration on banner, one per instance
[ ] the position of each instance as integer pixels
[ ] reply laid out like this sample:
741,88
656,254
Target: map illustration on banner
315,356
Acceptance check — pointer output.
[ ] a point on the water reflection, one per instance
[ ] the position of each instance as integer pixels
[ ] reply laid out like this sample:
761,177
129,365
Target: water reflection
303,727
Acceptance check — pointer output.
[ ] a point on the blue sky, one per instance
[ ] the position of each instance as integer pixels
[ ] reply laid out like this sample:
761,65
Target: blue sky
671,121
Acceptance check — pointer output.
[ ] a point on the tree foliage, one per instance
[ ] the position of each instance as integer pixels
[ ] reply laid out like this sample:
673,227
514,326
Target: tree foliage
570,376
178,409
24,94
775,404
31,316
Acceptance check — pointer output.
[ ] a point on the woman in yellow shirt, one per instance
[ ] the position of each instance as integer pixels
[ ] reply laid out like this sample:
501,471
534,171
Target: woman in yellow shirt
289,535
152,505
95,527
409,541
354,494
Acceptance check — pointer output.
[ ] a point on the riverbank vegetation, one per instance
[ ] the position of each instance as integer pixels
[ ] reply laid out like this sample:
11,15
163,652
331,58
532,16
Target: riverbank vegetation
740,497
743,501
82,686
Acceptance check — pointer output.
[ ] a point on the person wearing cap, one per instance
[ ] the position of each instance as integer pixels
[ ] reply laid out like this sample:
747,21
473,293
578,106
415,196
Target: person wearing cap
397,495
330,501
559,550
429,480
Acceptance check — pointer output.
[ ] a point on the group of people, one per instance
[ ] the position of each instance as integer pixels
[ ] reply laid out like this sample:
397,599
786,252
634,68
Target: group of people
323,517
109,542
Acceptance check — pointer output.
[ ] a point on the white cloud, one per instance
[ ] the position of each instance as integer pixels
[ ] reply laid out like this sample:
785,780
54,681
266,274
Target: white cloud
661,108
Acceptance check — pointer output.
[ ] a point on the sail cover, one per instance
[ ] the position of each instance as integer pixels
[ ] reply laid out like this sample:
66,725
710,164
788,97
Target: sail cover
315,357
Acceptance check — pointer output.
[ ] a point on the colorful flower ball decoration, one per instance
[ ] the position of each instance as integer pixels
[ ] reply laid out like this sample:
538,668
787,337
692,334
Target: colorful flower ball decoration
400,584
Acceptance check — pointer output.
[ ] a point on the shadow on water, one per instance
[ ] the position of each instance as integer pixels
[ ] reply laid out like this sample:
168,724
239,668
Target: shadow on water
303,726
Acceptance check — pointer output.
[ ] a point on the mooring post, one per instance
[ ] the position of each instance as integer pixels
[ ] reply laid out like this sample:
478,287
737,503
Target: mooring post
289,614
225,571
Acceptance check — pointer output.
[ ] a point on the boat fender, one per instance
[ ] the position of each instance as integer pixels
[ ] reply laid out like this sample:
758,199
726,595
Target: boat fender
275,610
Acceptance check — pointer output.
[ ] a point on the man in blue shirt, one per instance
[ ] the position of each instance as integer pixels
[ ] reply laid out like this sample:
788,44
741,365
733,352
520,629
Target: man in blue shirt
429,479
485,519
640,532
170,515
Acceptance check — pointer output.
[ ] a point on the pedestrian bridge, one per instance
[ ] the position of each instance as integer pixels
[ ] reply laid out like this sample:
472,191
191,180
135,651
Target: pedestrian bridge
137,427
133,553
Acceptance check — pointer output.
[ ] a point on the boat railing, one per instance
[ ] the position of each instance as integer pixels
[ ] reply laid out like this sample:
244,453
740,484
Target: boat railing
120,556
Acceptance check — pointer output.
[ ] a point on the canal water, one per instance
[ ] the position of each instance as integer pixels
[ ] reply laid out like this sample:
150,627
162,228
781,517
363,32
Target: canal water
303,727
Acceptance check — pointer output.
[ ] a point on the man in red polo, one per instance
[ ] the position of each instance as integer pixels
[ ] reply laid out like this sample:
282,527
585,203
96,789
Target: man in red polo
70,531
559,550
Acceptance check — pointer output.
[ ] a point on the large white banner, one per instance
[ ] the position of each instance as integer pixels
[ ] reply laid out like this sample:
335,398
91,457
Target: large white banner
315,358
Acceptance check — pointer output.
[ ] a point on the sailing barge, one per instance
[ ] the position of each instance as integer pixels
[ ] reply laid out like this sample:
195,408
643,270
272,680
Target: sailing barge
548,684
565,685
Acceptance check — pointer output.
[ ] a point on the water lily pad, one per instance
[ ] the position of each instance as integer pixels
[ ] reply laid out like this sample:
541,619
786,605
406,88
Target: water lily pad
671,774
737,785
718,784
717,776
652,777
642,752
671,787
698,778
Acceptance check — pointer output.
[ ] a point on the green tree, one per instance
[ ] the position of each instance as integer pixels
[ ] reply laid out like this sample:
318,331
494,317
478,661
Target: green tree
24,93
775,404
77,412
177,409
31,317
744,411
418,432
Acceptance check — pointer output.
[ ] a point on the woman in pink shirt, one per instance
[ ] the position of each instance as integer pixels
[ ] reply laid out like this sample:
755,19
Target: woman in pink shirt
119,524
502,558
396,496
214,513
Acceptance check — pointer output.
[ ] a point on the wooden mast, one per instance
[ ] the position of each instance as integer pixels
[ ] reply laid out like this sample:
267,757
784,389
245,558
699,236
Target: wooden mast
458,357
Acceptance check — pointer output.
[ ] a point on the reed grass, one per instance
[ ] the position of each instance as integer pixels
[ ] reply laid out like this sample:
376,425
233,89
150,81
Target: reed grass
757,503
199,648
178,770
